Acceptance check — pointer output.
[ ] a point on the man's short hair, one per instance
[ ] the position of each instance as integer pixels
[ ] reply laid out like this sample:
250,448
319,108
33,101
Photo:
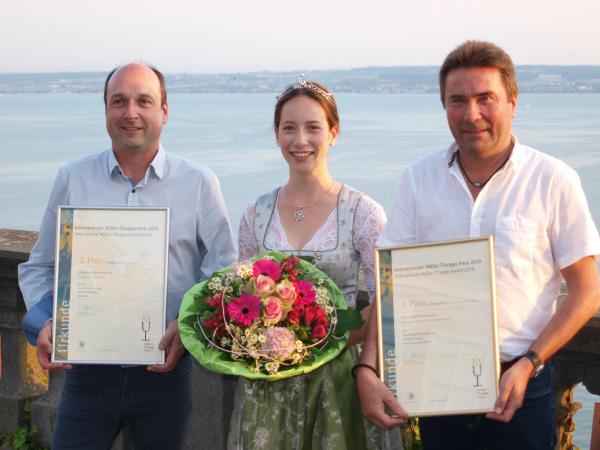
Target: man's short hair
480,54
158,73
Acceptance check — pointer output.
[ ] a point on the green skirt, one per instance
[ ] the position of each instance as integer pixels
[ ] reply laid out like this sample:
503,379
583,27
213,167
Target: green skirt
320,410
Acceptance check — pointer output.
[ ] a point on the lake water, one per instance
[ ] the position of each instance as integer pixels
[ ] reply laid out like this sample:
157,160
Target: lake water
232,134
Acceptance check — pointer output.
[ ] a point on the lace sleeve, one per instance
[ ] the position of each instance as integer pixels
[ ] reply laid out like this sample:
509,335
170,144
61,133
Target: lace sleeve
246,238
368,225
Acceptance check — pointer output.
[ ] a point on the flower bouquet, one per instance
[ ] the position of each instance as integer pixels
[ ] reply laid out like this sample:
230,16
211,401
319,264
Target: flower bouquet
272,317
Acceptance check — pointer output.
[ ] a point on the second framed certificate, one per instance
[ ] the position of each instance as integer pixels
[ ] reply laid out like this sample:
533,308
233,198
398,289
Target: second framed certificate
438,345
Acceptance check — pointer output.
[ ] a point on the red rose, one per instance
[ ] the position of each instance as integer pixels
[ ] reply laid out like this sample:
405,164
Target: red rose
295,316
320,315
214,302
215,323
309,315
287,265
319,332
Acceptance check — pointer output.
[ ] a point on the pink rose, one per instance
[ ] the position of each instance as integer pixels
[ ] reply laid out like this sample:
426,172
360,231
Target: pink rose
273,311
265,285
286,292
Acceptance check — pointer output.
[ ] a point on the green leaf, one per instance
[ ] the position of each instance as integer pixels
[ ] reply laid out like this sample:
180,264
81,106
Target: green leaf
307,258
348,320
20,438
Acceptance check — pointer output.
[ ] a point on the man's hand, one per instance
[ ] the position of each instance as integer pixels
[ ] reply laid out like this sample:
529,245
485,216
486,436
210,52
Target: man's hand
513,384
172,343
43,349
376,398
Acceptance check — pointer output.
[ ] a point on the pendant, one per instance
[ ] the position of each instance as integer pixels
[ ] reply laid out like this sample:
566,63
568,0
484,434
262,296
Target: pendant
299,214
477,184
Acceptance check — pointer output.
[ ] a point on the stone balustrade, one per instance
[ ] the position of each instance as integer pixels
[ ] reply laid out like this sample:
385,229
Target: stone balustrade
22,380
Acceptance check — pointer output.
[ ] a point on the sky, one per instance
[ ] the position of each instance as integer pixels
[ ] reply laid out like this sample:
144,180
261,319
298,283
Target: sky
213,36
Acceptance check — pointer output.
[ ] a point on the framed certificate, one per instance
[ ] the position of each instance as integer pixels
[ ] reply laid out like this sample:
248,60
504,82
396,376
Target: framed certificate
438,344
110,285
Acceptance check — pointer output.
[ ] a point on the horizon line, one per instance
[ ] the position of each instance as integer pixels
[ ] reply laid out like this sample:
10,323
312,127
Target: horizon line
273,71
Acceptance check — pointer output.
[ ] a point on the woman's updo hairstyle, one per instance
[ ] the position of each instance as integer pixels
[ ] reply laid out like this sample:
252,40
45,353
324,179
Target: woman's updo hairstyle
311,89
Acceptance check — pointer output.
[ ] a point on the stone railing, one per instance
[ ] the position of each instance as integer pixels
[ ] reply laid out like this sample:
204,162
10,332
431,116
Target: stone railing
21,379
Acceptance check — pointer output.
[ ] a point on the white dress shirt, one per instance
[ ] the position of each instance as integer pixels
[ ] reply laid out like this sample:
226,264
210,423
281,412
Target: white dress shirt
537,211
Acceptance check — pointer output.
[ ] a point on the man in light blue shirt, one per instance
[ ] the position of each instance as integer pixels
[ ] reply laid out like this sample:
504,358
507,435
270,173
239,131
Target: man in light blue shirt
153,401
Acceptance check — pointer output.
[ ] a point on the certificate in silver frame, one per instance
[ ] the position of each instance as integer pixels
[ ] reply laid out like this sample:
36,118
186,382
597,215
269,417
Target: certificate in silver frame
437,329
110,285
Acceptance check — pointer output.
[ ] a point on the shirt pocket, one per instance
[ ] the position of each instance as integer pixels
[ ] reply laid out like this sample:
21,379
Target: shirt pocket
516,241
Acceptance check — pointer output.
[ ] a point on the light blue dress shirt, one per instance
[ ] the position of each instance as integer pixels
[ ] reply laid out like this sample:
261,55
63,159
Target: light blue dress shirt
200,238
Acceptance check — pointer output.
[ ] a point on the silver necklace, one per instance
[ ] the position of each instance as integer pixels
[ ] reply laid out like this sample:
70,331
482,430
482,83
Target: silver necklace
299,212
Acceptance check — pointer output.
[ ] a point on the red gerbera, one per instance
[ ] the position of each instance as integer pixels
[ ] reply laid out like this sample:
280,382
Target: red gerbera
266,267
305,292
244,310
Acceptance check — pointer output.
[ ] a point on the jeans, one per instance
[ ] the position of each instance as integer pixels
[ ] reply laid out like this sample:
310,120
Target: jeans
98,400
532,427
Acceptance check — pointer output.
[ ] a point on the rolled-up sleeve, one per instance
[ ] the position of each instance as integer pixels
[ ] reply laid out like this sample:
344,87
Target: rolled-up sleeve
573,234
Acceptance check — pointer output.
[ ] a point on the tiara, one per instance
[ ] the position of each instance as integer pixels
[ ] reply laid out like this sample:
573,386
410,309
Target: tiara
303,84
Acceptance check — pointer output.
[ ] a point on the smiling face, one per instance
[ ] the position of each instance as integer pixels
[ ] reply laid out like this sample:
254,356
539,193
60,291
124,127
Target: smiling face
134,114
304,135
479,111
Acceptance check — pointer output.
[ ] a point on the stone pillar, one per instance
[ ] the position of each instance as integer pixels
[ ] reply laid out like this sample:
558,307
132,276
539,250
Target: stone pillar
21,378
43,409
565,408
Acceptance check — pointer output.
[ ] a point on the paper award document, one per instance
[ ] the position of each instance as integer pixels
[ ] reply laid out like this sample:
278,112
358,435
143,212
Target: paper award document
110,285
438,345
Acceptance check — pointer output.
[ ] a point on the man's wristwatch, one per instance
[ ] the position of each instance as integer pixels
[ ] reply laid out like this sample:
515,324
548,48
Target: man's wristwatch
538,364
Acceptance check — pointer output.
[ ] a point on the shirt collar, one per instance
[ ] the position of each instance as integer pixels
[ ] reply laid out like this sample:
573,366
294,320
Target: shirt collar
157,166
514,161
516,157
159,162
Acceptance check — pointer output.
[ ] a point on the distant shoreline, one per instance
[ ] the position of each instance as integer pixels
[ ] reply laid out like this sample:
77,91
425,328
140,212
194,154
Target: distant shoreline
371,80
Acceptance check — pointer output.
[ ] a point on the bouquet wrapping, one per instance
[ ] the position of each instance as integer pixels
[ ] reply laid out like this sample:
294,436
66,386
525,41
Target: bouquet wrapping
272,317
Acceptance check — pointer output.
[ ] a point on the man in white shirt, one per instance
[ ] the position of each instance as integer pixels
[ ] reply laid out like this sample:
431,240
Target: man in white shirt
486,183
152,401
